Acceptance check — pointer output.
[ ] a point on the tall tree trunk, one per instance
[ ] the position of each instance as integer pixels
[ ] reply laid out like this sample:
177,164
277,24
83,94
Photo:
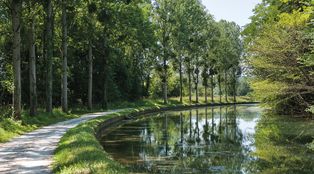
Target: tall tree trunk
165,81
49,53
106,70
65,58
235,88
181,82
32,69
16,6
226,86
105,102
234,98
212,88
147,85
219,86
90,76
196,85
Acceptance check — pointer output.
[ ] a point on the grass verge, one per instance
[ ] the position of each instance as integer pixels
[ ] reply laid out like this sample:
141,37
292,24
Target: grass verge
80,152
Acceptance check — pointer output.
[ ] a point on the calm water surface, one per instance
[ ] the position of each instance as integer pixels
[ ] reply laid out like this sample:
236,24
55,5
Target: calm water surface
234,139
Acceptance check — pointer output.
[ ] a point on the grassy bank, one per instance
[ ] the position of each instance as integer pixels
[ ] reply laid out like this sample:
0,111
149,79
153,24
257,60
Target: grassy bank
10,128
80,152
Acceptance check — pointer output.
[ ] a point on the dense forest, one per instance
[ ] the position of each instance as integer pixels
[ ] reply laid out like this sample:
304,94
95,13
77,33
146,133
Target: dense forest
89,53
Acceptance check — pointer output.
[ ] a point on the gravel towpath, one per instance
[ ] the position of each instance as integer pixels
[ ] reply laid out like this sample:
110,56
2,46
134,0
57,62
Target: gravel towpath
32,153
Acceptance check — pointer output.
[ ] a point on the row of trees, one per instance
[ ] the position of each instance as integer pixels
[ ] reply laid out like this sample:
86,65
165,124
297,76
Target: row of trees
85,52
197,46
279,46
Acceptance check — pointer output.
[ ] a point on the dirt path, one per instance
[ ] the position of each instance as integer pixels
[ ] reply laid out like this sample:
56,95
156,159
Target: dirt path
33,152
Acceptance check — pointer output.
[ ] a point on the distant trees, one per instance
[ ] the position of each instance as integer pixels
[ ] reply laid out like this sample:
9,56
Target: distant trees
94,52
198,45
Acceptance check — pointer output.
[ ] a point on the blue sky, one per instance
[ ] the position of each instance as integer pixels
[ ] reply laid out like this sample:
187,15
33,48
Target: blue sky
238,11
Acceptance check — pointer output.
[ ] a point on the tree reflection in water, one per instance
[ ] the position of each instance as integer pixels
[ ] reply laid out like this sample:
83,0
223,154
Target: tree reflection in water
204,140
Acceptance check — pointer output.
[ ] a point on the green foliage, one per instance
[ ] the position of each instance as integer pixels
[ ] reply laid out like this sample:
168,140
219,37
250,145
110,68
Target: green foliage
156,88
243,87
278,50
310,109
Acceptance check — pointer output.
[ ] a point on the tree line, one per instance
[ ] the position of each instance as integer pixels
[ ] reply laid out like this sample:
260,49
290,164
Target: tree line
60,53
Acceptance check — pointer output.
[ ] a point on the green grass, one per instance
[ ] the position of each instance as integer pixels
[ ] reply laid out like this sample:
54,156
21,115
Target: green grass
80,152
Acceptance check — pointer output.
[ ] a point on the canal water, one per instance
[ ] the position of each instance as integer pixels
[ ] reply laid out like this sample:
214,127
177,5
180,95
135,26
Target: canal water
229,139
